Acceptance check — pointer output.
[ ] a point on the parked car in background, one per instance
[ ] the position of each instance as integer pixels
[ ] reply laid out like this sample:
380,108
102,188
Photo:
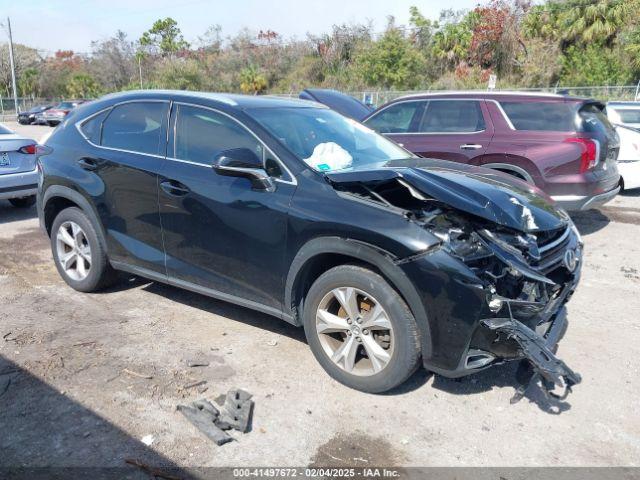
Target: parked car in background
563,145
629,157
292,209
18,172
624,113
55,115
28,117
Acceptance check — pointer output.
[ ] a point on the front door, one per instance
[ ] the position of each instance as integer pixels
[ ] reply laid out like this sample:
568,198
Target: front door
220,234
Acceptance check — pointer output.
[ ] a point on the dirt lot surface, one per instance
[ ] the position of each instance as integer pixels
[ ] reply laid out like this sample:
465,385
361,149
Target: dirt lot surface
84,377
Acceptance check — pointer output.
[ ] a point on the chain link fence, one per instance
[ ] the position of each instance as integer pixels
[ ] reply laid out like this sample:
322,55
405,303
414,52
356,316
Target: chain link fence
8,110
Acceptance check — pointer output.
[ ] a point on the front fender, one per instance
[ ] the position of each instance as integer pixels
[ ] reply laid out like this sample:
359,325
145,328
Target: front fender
384,261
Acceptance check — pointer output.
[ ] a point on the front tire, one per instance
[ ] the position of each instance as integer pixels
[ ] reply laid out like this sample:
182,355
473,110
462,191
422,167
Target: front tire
78,252
360,329
24,202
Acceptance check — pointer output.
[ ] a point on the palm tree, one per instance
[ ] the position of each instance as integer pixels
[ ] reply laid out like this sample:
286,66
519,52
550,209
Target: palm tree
594,21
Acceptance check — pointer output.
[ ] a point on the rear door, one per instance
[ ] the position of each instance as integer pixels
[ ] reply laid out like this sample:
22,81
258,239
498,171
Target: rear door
458,130
129,145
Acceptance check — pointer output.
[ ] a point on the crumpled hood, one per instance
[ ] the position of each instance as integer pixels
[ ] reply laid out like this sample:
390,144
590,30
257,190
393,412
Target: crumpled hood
479,191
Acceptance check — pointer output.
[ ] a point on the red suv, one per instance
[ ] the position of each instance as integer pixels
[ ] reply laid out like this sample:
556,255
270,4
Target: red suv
564,145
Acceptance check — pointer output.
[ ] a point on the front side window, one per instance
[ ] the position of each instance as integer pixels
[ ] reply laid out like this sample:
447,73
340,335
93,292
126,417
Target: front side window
542,116
136,127
452,116
201,134
396,118
325,140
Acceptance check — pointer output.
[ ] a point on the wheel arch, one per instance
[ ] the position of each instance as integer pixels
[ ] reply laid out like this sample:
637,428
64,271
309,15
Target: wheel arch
58,197
321,254
511,169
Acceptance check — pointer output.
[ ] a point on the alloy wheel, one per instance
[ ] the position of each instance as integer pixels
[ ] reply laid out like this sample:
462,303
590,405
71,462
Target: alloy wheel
74,252
355,331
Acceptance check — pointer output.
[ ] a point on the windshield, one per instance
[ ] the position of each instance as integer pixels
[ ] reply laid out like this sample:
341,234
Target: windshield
325,140
66,105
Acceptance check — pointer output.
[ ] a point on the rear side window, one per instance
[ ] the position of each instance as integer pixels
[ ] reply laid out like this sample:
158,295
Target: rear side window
396,118
135,126
452,116
92,128
202,133
545,116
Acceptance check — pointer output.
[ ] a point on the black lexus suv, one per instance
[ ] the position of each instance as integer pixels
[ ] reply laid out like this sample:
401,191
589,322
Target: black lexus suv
284,206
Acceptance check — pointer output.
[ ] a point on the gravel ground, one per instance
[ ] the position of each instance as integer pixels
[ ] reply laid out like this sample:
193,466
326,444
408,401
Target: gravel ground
84,377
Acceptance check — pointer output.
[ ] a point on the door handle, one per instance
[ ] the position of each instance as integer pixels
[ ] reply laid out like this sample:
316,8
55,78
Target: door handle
470,146
174,188
88,163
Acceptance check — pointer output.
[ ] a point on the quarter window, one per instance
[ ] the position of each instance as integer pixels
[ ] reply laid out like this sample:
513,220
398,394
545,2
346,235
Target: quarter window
396,118
541,116
452,116
136,127
202,133
92,128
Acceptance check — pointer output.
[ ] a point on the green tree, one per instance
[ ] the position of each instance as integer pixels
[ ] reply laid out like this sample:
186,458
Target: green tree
452,41
422,26
28,82
82,85
252,81
391,62
576,22
593,65
164,37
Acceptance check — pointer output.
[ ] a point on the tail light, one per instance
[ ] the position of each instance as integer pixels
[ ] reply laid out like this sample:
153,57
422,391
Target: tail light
590,152
29,149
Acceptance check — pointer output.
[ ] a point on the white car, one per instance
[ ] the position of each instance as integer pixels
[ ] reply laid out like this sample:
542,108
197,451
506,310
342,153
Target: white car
18,172
624,113
629,157
626,118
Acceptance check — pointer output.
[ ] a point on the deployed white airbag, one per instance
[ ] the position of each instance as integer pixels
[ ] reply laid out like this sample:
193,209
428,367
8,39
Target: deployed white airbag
329,156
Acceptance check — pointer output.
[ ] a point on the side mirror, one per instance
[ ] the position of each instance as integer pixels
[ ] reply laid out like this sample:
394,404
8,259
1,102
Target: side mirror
243,162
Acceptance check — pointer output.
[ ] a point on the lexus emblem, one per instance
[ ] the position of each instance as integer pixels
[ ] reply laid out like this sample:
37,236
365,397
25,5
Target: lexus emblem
570,260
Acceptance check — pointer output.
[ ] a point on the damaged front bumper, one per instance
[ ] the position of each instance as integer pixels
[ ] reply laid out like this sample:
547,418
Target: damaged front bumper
539,350
468,333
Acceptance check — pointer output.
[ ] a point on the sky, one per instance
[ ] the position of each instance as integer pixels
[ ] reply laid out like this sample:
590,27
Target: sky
51,25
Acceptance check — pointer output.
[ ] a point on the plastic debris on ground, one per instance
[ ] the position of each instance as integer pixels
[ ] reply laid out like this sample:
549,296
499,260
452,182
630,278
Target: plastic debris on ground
236,413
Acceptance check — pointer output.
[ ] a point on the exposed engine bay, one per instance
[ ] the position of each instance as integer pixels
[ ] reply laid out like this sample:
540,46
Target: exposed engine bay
528,274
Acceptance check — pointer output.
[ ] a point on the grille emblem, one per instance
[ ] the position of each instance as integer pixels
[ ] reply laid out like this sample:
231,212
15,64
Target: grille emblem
570,260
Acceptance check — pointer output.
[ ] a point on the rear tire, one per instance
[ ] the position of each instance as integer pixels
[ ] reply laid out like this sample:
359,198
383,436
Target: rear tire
376,350
23,202
78,252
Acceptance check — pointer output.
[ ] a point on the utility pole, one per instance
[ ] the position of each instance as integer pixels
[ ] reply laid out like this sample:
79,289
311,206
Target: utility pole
13,68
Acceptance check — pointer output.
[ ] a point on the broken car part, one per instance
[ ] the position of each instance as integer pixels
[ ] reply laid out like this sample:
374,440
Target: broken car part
535,349
236,413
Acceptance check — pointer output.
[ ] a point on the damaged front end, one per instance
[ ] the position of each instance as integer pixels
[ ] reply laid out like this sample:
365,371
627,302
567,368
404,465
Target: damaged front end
526,273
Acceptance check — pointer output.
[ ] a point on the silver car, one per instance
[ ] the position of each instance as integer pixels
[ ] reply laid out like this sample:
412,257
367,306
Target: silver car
18,172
